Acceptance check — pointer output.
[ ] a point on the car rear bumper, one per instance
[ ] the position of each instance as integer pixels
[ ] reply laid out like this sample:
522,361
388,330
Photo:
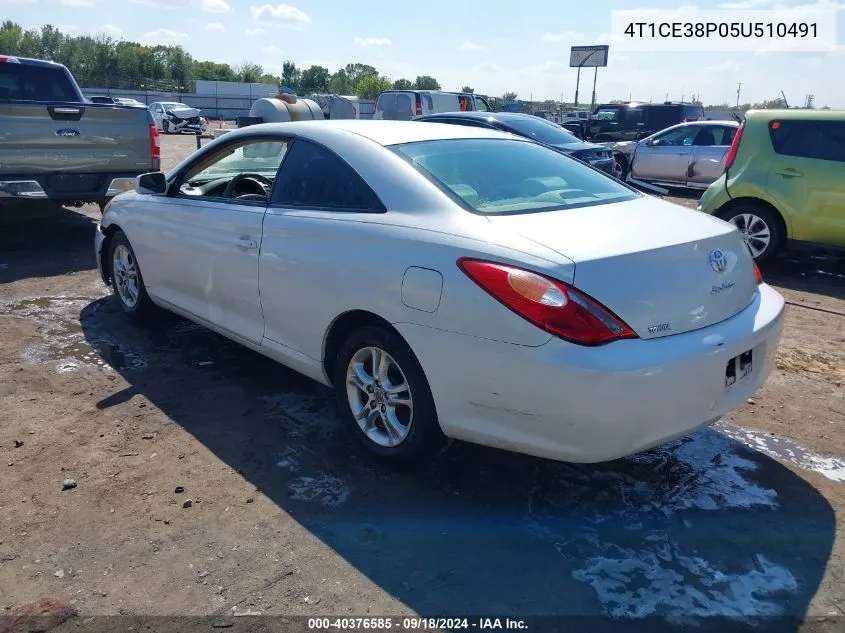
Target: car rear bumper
69,187
580,404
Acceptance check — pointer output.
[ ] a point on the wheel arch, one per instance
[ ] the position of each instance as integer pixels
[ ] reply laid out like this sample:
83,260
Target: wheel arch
105,262
339,330
757,202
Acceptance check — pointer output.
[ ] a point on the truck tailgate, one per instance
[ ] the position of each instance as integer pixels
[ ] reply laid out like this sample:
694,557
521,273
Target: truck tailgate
68,138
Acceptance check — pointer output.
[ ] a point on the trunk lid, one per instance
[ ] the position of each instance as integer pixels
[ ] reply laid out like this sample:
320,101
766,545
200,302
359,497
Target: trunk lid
45,138
662,268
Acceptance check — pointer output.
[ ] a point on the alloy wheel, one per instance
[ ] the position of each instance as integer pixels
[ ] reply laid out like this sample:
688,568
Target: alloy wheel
755,232
125,272
379,396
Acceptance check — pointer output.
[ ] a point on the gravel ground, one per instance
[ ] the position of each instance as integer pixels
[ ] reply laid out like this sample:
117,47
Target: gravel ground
285,518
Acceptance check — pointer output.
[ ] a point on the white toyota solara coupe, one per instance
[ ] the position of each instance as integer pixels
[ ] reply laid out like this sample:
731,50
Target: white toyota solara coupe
452,282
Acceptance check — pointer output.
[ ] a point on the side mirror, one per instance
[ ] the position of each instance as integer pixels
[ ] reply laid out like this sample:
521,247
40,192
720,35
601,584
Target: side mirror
649,142
151,183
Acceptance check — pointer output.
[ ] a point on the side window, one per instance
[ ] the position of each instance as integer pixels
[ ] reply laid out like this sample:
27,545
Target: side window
481,104
259,157
708,135
677,137
693,112
725,135
315,178
822,140
634,116
607,115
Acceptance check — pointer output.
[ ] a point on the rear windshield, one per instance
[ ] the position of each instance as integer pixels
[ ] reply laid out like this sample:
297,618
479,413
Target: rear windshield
500,176
541,130
28,82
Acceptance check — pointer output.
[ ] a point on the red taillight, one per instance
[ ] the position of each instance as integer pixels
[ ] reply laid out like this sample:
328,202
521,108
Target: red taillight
757,274
729,159
552,305
155,141
419,106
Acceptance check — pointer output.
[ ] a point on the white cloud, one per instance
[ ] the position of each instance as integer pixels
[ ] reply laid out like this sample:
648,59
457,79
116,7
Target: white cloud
165,37
746,4
470,46
372,41
81,4
552,67
271,49
562,37
111,29
216,6
488,67
281,15
215,27
69,29
255,32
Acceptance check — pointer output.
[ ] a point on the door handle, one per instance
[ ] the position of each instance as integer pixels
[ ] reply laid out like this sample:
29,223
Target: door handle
789,172
245,243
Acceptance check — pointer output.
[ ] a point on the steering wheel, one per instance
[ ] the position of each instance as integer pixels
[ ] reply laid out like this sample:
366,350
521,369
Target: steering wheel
255,179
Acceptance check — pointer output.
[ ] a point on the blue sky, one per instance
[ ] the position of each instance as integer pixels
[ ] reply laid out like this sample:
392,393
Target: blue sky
494,46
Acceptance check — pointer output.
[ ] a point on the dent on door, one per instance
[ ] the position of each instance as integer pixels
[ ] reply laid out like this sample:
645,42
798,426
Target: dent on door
422,289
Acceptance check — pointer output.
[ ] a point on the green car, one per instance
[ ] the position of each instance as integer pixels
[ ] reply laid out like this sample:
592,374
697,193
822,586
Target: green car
784,180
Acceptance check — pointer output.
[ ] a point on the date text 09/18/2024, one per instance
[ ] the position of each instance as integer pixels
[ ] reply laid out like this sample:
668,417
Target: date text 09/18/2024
415,624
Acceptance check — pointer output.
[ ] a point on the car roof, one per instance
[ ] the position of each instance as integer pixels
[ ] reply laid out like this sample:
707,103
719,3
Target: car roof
382,132
814,115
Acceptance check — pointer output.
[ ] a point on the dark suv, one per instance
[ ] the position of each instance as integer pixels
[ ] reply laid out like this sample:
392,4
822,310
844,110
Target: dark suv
633,121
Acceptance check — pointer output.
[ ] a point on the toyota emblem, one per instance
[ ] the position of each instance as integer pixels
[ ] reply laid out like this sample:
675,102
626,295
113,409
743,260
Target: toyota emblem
718,260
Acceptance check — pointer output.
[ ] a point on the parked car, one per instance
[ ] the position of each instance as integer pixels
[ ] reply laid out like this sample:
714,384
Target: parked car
576,116
633,121
512,296
129,102
175,118
404,105
101,99
57,145
685,155
784,180
535,128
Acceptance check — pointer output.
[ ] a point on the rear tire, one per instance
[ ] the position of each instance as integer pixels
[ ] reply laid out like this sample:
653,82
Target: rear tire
384,399
126,280
761,229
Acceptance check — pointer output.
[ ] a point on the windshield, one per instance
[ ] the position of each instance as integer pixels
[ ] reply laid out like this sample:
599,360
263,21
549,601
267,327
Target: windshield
541,130
497,176
174,106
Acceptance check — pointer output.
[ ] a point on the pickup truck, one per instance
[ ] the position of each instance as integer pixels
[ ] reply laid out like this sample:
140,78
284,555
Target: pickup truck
56,145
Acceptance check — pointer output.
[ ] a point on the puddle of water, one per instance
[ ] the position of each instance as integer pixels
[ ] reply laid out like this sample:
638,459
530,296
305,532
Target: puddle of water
786,450
325,489
63,341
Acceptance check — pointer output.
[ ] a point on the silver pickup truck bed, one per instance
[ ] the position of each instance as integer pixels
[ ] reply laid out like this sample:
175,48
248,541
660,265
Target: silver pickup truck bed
55,145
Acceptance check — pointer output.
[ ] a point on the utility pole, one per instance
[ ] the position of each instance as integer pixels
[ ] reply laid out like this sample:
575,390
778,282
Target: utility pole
738,89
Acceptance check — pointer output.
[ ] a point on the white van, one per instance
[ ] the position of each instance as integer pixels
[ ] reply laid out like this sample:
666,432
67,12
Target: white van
404,105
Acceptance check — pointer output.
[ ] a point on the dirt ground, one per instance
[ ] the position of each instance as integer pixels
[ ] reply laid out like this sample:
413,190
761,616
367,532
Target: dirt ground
286,518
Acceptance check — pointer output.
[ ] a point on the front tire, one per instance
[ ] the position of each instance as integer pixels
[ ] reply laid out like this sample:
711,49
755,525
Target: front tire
126,280
760,227
384,398
620,167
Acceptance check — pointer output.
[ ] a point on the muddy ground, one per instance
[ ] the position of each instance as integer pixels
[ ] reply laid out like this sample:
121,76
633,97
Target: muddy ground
286,518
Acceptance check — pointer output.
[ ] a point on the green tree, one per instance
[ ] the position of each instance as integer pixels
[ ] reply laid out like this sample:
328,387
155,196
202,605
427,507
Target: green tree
403,84
425,82
314,80
370,86
509,97
249,72
467,89
291,75
356,72
339,83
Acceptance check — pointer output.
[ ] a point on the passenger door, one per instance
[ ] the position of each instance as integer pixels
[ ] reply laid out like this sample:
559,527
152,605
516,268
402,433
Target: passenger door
709,150
199,249
314,243
807,178
665,157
